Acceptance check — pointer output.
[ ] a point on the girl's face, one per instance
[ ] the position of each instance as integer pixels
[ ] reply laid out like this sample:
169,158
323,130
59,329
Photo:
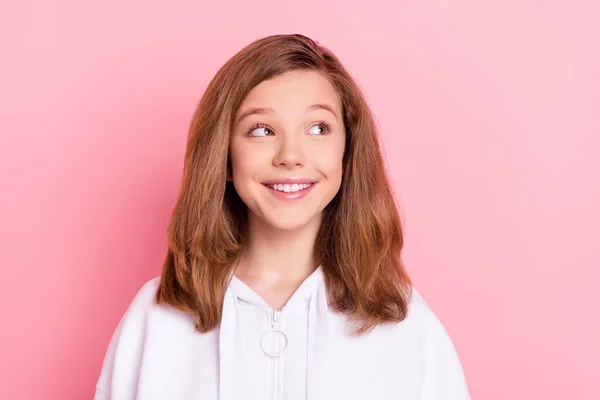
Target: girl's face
289,129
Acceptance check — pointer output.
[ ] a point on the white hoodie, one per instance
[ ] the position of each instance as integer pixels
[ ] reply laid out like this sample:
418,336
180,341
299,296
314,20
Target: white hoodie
301,352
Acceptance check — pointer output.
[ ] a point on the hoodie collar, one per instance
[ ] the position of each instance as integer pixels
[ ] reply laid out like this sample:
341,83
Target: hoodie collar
302,295
311,290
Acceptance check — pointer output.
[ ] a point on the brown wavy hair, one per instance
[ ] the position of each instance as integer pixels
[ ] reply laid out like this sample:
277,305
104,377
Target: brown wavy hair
360,238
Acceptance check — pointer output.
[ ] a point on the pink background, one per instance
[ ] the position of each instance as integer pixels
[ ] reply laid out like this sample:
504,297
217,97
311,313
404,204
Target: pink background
489,114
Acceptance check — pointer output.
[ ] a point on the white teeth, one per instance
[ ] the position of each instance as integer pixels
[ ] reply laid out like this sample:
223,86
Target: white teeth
290,188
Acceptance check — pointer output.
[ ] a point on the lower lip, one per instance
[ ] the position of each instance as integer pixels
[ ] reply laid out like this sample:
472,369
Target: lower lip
292,195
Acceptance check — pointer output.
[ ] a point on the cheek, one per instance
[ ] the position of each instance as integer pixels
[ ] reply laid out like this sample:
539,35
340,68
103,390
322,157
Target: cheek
248,163
329,161
241,160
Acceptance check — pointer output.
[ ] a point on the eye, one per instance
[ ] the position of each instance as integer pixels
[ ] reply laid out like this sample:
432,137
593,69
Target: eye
320,129
259,131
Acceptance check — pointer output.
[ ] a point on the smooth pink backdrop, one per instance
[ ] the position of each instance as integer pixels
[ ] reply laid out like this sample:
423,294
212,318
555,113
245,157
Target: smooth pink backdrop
489,112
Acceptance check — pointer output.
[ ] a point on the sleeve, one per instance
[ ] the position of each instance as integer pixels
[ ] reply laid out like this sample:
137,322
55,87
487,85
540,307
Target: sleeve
120,369
443,377
105,380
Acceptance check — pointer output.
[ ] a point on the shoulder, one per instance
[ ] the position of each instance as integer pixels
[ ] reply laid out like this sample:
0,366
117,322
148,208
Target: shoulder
420,311
417,302
430,329
125,347
145,296
143,301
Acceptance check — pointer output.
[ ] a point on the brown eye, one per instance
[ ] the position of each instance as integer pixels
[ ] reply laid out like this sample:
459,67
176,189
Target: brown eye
319,129
260,131
316,130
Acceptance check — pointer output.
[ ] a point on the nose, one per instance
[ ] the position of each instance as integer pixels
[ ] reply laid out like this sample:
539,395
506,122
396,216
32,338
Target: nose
290,153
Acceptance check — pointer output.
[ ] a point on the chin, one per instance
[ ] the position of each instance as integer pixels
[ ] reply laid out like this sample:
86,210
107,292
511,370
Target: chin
288,220
287,224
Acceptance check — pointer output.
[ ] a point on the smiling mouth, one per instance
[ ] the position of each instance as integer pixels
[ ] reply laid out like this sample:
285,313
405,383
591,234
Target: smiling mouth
289,188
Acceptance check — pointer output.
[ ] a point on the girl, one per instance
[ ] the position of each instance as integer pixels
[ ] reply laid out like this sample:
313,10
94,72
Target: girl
283,278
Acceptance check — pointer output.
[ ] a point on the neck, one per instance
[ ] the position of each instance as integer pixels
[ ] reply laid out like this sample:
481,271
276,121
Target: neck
275,255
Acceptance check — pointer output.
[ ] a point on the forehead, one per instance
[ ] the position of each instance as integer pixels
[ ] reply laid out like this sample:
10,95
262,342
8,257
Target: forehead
292,90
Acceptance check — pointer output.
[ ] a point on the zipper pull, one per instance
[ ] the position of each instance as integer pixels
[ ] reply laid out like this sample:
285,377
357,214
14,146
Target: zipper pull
275,318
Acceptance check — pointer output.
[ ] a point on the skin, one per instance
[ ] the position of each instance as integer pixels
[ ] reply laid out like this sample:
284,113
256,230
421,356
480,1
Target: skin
292,144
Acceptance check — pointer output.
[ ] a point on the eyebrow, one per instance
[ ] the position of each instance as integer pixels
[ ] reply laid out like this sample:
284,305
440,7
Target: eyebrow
269,111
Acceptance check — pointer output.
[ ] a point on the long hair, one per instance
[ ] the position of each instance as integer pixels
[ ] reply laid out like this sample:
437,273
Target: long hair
359,241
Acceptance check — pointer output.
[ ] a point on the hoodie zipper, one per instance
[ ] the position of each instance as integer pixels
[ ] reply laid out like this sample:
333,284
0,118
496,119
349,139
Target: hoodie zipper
275,318
276,392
